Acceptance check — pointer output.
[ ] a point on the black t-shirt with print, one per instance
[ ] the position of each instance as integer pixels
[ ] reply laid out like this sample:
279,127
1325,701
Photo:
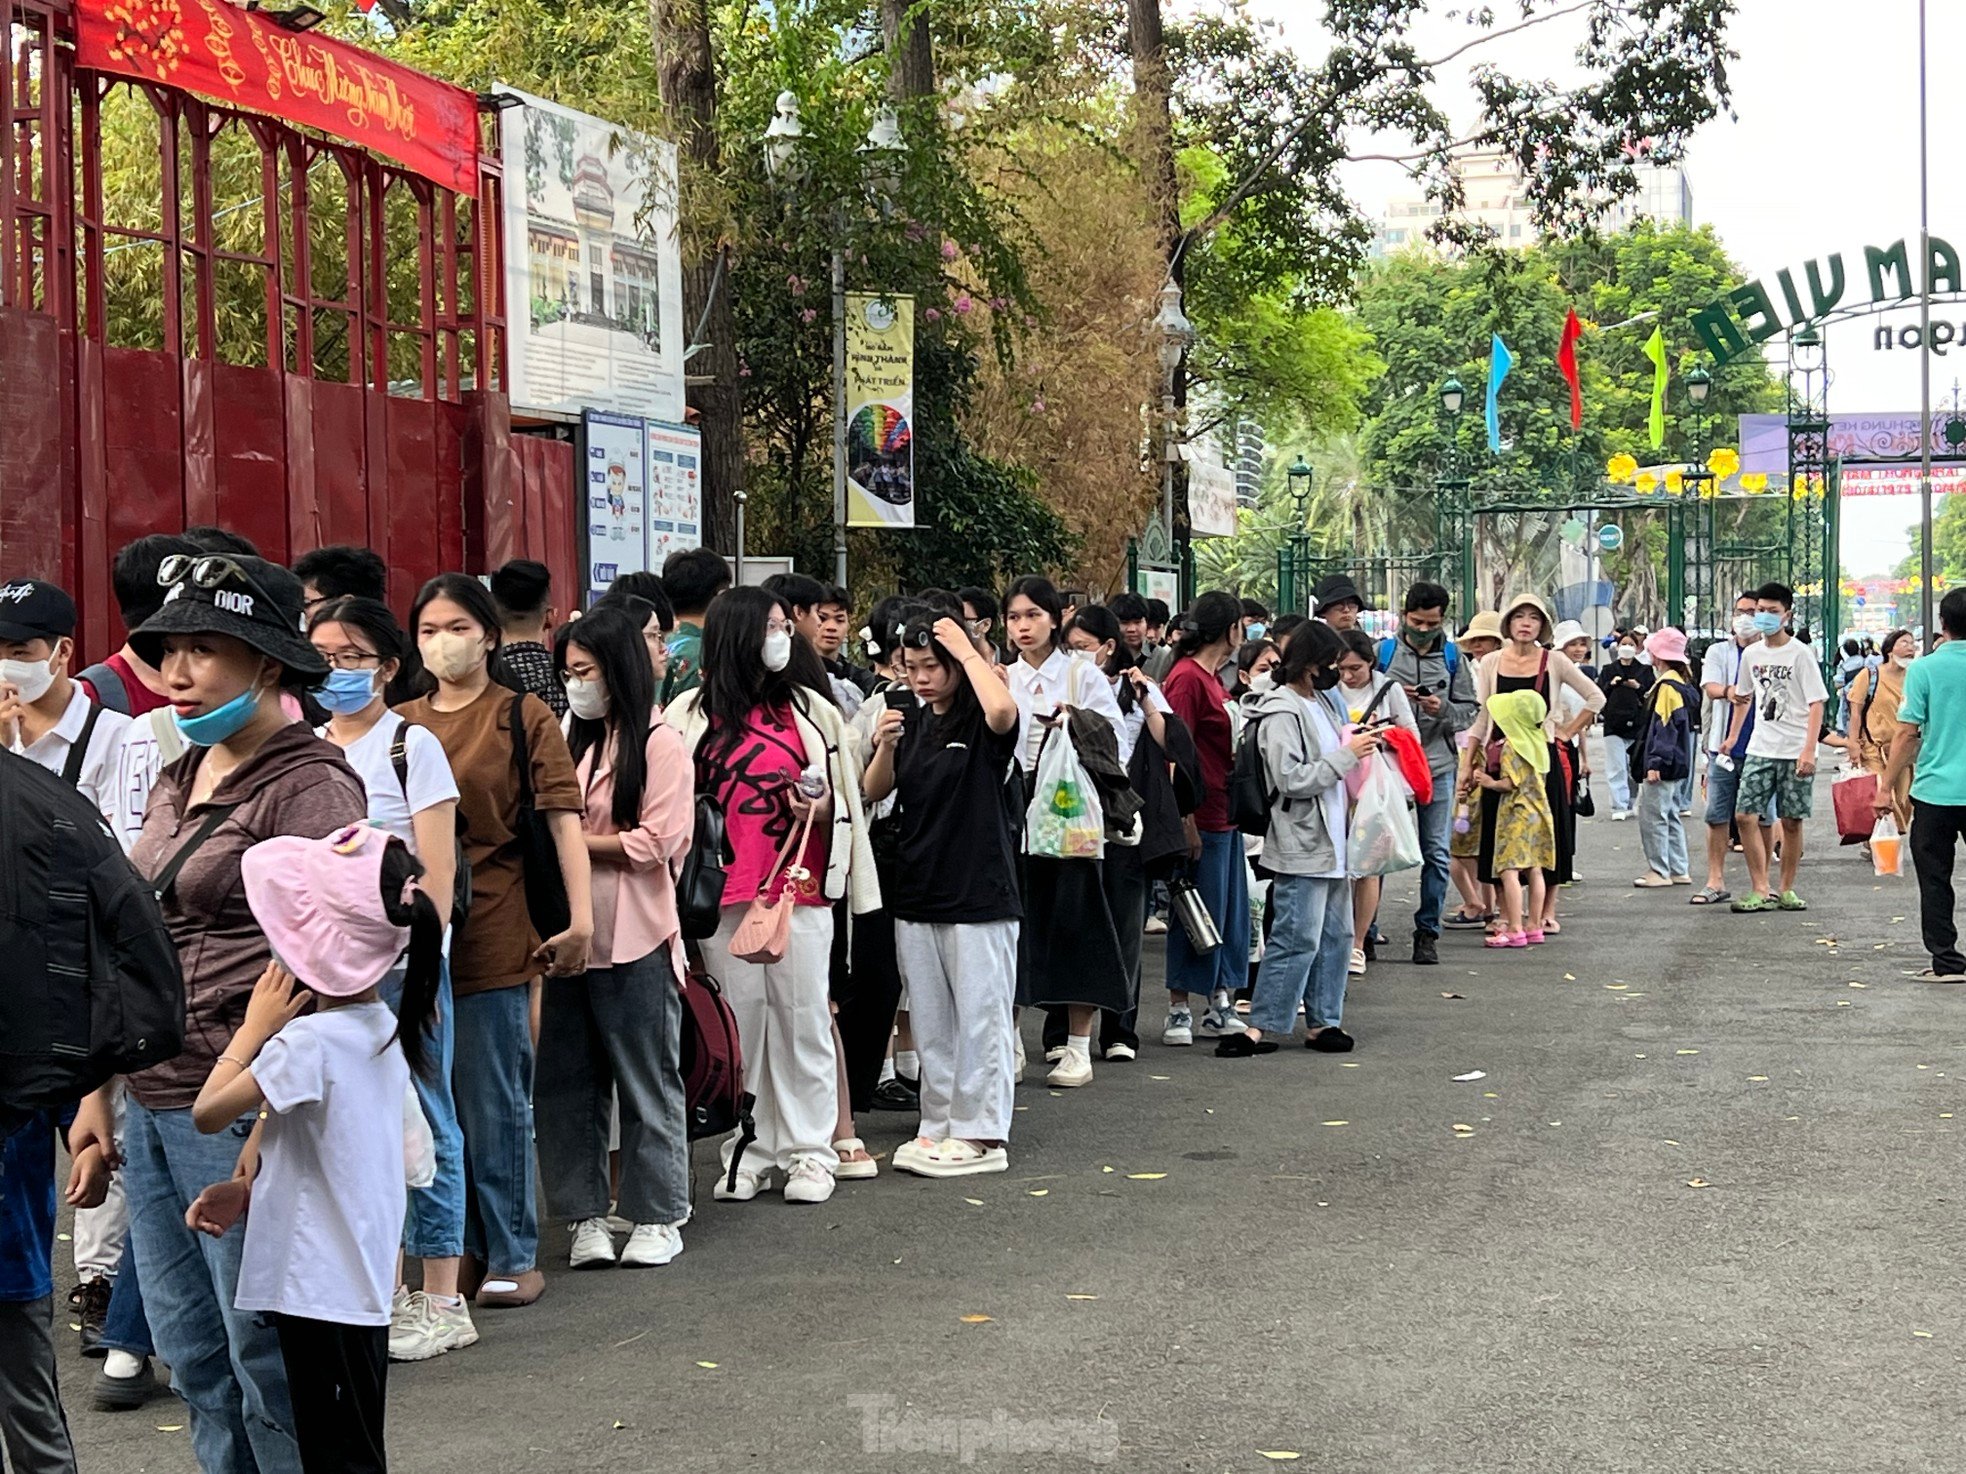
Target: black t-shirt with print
956,835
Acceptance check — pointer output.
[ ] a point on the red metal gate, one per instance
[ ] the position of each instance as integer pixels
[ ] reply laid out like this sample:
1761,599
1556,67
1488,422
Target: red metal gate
211,316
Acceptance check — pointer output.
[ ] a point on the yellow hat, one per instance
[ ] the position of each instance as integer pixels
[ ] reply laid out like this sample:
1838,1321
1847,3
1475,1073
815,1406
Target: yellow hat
1486,625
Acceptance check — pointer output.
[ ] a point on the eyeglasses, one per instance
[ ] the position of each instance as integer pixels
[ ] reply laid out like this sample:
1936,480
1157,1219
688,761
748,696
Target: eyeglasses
207,571
779,626
350,659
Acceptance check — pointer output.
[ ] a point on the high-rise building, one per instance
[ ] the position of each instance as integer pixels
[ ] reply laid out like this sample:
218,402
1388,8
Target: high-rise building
1497,198
1248,462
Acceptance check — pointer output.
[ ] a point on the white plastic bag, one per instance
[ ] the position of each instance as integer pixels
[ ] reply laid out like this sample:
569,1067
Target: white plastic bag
1065,820
1384,838
419,1148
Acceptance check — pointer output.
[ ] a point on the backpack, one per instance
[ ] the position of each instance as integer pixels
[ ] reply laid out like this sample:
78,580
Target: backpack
399,759
1250,794
700,880
715,1102
93,986
109,688
1389,646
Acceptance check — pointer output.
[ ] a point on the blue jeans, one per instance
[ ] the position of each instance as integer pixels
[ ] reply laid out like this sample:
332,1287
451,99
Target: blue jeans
1682,791
126,1328
1436,821
491,1081
224,1362
1661,832
1222,877
433,1228
1309,950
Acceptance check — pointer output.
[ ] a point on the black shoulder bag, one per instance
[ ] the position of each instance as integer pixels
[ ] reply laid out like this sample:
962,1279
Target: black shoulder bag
399,759
546,887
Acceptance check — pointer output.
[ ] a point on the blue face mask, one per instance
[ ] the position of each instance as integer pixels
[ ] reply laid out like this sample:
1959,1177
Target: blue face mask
347,691
220,722
1255,631
1766,623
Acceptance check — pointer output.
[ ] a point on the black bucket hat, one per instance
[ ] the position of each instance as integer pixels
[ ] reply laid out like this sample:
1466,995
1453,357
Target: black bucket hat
250,599
1339,589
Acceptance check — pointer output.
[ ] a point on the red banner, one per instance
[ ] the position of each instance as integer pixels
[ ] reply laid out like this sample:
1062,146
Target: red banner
240,58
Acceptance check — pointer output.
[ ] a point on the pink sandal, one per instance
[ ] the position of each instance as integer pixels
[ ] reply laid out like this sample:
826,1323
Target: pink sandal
1532,938
1506,939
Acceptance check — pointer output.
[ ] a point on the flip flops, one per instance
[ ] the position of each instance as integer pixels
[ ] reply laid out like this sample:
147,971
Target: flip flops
1711,896
849,1171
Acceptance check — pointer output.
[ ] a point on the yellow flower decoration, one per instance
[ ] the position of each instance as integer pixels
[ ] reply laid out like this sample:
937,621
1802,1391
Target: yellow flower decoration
1754,482
1675,481
1724,463
1646,484
1621,468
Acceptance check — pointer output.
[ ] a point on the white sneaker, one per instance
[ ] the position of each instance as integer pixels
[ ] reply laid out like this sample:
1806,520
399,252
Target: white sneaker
1219,1023
808,1182
1180,1028
1054,1054
650,1244
593,1246
1156,926
749,1185
1357,967
1122,1052
1074,1069
427,1328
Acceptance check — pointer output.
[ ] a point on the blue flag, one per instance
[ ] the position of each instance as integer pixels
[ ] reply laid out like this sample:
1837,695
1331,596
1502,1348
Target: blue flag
1500,361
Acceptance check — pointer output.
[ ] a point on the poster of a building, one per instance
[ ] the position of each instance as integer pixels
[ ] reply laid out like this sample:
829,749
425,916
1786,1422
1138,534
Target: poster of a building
594,283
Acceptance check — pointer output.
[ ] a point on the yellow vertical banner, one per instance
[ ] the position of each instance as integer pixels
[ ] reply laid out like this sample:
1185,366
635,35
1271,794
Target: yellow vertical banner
880,410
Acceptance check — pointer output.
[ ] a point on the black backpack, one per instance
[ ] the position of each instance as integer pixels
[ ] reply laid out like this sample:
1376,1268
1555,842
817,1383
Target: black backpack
700,882
399,759
92,986
1250,794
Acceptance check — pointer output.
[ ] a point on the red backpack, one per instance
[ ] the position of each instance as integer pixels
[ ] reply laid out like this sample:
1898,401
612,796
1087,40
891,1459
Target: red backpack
713,1068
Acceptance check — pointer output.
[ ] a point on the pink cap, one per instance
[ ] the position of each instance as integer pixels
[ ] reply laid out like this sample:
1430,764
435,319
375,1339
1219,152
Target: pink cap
1668,645
319,901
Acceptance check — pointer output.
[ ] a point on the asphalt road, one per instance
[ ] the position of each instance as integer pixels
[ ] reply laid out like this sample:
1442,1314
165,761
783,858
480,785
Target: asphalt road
1705,1218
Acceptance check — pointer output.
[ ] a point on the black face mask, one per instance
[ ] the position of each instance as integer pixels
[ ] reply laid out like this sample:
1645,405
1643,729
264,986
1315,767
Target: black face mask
1324,680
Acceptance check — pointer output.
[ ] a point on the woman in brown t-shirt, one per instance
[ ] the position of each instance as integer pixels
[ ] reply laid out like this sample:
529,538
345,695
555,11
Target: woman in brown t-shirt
496,957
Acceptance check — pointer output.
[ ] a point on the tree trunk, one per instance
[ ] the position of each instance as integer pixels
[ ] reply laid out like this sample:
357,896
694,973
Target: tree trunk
1154,142
686,72
913,74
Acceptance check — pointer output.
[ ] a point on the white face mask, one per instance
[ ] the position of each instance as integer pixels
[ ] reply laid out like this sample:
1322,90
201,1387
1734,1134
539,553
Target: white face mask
1262,682
1901,661
1626,654
29,677
1744,627
587,700
778,650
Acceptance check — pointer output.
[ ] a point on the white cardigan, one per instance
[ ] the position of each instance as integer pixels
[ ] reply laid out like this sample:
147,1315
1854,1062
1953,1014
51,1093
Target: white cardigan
849,858
1563,671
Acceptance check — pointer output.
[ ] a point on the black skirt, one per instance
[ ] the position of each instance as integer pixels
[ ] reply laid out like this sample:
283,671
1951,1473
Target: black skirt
1562,794
1068,953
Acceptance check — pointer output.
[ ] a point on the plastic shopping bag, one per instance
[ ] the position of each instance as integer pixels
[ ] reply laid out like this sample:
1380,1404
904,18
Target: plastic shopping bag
1887,847
1384,838
1064,820
1852,795
419,1147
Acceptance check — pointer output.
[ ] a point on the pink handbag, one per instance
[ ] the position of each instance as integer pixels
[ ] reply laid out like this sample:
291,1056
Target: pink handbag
766,930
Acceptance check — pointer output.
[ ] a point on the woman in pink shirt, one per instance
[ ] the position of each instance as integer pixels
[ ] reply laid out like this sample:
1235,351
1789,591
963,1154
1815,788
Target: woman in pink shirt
616,1029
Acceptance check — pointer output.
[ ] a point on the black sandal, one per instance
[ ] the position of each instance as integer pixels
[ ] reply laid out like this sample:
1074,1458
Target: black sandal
1241,1046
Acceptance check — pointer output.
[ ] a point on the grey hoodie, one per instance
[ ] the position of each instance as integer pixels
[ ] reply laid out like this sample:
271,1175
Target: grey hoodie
1301,771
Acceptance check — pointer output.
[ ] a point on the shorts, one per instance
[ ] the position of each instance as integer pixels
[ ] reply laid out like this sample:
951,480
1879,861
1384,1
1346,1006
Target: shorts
1723,784
1774,778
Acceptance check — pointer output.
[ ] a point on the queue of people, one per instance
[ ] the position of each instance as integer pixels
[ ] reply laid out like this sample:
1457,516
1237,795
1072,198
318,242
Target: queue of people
425,884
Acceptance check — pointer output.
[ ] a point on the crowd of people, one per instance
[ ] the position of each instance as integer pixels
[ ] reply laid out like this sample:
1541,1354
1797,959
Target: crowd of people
439,889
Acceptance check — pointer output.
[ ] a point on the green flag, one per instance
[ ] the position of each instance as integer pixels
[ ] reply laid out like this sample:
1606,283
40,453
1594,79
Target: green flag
1655,349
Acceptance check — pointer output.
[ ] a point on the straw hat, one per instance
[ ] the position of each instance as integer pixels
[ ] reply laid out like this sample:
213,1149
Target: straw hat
1486,625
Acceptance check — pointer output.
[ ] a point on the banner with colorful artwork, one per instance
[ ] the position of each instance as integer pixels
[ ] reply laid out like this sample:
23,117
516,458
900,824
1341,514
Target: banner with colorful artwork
880,410
617,498
239,57
675,490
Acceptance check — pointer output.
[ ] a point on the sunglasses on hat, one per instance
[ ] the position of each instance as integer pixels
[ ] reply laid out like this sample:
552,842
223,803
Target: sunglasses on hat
207,571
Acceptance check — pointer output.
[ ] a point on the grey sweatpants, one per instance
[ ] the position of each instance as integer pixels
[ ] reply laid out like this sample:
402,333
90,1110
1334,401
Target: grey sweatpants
962,981
31,1421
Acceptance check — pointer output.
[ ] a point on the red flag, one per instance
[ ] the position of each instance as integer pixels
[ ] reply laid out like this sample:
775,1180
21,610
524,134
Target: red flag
1566,362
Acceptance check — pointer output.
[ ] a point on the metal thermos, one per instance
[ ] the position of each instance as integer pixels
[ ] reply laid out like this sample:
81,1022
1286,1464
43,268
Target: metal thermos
1203,934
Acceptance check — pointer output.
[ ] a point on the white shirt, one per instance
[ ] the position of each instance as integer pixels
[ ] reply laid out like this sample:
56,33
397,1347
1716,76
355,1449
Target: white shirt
1720,667
328,1205
1136,718
1041,690
429,779
106,780
1782,684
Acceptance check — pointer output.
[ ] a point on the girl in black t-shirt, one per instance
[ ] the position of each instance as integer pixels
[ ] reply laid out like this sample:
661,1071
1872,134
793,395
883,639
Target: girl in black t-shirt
955,898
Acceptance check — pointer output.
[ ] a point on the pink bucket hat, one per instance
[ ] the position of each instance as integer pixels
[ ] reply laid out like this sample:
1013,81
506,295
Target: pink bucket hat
1668,645
319,901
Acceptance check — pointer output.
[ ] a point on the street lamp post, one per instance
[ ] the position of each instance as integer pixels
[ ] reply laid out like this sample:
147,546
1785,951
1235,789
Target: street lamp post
1450,496
881,156
1299,477
1176,333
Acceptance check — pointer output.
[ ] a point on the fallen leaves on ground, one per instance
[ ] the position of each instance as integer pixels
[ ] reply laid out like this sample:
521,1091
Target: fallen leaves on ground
1081,1297
1040,1192
1923,1335
1757,1078
1454,995
975,1320
974,1202
1279,1455
1698,1182
1334,1123
708,1366
1471,1075
1145,1176
1686,1051
170,1427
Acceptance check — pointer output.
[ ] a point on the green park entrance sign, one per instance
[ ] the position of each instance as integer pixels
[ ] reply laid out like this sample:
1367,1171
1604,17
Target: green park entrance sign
1749,315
